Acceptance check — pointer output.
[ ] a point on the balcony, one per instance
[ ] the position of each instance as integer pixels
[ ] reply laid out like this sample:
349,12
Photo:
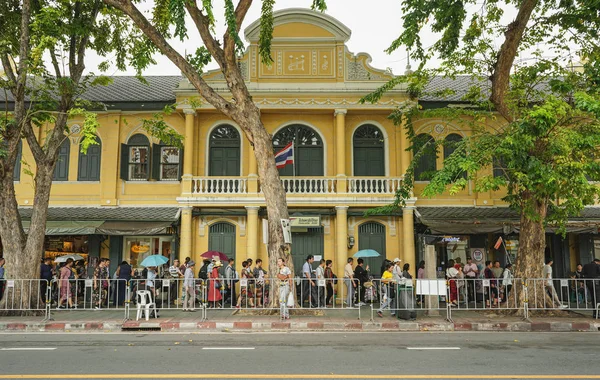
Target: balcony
355,186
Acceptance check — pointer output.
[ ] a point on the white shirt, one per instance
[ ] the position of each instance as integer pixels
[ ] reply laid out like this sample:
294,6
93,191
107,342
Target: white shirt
348,271
150,279
306,268
189,278
320,276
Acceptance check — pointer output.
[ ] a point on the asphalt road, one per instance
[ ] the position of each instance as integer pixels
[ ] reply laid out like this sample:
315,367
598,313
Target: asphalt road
300,356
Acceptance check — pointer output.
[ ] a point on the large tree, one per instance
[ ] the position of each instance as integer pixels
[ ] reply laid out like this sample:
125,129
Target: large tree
535,119
169,20
43,48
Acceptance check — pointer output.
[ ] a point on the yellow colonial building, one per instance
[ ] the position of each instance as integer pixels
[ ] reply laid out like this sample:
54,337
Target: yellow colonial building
131,195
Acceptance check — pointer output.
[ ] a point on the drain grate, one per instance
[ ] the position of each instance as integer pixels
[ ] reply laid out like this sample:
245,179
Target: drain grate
137,328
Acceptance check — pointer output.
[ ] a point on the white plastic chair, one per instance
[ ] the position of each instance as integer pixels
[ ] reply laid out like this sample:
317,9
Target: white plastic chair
597,309
144,302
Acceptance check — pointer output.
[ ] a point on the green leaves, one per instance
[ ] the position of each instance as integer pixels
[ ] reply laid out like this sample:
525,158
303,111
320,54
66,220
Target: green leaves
158,128
199,59
232,27
266,31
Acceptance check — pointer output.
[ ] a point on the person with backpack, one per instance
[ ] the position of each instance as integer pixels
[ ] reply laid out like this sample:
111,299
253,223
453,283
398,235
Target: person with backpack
331,281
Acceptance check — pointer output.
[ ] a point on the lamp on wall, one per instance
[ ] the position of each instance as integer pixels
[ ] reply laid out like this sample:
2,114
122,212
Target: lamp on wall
350,242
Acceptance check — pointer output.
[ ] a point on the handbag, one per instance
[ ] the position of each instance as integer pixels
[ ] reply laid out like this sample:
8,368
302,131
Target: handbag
217,284
368,284
290,301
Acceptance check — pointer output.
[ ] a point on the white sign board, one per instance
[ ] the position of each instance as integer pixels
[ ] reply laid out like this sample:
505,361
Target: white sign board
10,283
287,231
89,283
564,283
431,287
318,258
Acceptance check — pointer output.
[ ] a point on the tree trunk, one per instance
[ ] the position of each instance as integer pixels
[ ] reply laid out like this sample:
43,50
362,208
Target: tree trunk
270,184
530,259
23,252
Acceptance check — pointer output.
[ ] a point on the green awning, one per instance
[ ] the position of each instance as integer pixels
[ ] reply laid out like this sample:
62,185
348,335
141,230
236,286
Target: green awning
69,227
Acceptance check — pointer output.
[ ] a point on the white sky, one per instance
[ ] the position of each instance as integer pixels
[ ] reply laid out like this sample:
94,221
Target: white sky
373,29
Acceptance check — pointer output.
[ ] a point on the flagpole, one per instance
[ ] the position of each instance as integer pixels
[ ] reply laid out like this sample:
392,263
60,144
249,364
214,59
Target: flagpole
293,159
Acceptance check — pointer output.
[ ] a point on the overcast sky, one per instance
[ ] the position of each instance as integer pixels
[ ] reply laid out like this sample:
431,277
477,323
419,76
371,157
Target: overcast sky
373,29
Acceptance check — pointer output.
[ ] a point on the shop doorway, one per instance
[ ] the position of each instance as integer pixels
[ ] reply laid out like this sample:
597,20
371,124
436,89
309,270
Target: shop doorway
221,238
371,235
304,244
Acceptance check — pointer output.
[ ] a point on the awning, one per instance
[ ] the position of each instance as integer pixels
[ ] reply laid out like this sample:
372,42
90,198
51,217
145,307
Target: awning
67,227
134,228
481,220
106,220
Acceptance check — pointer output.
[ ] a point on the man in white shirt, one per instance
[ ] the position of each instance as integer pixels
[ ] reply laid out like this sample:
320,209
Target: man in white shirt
321,284
175,274
230,297
471,271
189,288
308,285
350,282
547,275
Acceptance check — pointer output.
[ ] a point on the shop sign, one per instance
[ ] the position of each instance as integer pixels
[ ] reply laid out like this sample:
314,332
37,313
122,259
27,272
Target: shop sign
451,239
305,221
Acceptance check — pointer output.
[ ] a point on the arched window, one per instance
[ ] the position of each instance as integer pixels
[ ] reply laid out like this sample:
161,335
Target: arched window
89,163
308,150
224,151
135,159
450,144
167,162
425,144
368,144
17,170
61,170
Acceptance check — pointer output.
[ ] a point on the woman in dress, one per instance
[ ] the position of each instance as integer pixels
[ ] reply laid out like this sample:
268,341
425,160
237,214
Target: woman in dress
65,287
214,285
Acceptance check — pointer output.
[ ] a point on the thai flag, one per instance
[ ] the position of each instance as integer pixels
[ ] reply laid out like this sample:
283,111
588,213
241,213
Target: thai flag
285,156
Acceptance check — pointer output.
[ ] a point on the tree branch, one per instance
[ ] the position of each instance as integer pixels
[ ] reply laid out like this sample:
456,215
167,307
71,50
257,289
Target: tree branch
188,70
8,70
240,14
203,26
506,56
36,149
55,64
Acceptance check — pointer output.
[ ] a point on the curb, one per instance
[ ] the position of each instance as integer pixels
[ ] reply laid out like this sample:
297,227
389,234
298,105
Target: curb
248,326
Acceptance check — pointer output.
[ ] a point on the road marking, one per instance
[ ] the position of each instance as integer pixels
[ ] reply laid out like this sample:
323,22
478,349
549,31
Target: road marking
294,376
28,349
228,348
433,348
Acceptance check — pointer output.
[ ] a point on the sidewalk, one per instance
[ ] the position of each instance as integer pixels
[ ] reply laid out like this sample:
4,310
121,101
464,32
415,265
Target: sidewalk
327,320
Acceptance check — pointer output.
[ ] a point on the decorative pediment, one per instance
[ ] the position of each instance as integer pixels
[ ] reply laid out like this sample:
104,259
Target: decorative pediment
301,24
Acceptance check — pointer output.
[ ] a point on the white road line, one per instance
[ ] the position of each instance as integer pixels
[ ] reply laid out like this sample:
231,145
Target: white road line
228,348
28,349
433,348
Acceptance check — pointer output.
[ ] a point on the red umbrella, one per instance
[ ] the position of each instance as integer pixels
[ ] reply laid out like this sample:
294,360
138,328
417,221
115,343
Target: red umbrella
211,254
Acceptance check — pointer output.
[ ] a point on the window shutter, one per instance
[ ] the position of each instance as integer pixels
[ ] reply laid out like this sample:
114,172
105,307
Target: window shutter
180,163
156,161
124,162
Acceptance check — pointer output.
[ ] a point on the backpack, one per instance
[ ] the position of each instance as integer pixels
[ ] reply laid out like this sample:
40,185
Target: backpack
203,274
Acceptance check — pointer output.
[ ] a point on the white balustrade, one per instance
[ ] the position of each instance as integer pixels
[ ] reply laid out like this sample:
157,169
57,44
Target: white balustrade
309,185
219,185
374,185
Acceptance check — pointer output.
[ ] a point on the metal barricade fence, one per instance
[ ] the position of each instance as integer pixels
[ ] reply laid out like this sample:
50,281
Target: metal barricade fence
25,295
564,293
244,293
